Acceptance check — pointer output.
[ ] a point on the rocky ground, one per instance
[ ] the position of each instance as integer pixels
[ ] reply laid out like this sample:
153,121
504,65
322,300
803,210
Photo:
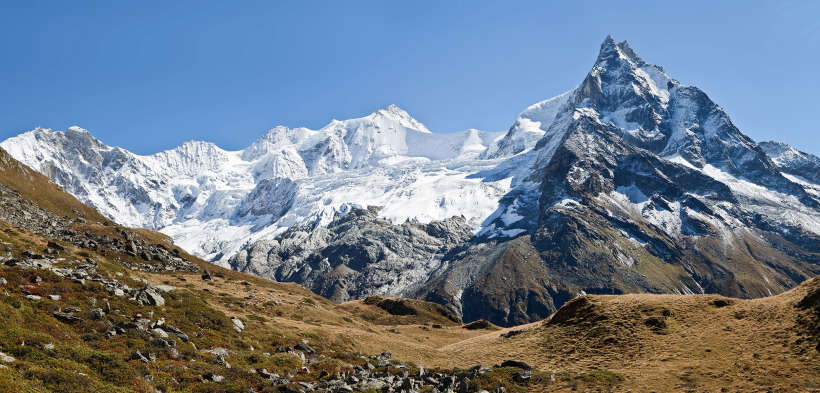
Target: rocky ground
129,308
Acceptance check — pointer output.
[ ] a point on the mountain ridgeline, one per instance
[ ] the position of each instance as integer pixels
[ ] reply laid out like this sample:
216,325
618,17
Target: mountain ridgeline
630,182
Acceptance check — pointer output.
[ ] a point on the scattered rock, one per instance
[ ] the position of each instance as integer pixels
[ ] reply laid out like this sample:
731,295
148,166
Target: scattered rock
238,325
33,297
522,376
150,296
6,358
66,317
137,355
97,314
157,332
305,348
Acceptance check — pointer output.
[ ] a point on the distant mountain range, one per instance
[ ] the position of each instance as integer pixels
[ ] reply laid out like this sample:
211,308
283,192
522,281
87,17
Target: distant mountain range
630,182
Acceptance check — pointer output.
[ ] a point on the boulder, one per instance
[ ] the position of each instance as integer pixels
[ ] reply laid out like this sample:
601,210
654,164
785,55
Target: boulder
137,355
157,332
522,377
305,348
67,317
238,325
6,358
150,296
97,314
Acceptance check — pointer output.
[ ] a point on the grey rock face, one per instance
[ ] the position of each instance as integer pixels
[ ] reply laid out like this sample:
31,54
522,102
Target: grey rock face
270,197
357,255
792,161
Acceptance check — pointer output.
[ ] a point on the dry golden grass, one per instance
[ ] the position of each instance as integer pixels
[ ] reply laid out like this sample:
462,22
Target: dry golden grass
746,345
292,309
372,309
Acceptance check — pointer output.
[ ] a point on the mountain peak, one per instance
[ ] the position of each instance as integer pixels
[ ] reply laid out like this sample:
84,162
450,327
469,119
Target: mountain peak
393,112
610,50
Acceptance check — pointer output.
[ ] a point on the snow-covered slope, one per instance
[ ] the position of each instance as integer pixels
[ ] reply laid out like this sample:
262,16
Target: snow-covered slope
213,201
795,163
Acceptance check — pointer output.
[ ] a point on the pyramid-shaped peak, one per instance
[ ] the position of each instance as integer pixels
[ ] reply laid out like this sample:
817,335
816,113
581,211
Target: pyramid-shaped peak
611,50
394,113
393,110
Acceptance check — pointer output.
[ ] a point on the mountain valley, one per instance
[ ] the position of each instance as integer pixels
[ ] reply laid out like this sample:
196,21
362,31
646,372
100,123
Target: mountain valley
87,305
629,183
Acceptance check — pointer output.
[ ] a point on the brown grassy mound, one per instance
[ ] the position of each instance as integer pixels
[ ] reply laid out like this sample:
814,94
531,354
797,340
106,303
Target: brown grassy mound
809,318
392,306
669,343
395,311
481,324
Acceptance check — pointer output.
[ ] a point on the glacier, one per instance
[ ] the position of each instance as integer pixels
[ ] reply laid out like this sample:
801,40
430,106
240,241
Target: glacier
212,202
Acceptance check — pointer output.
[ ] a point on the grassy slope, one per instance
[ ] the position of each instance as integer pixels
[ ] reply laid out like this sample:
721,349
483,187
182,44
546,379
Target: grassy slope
704,346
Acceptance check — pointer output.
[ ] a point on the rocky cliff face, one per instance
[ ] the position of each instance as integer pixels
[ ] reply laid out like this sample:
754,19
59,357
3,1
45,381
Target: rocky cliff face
630,182
356,255
794,162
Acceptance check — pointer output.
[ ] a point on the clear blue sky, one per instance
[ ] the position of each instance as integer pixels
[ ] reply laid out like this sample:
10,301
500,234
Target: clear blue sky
149,75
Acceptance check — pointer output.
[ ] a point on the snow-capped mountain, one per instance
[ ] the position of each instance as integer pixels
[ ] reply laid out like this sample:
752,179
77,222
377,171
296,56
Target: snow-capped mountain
638,184
213,201
628,182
